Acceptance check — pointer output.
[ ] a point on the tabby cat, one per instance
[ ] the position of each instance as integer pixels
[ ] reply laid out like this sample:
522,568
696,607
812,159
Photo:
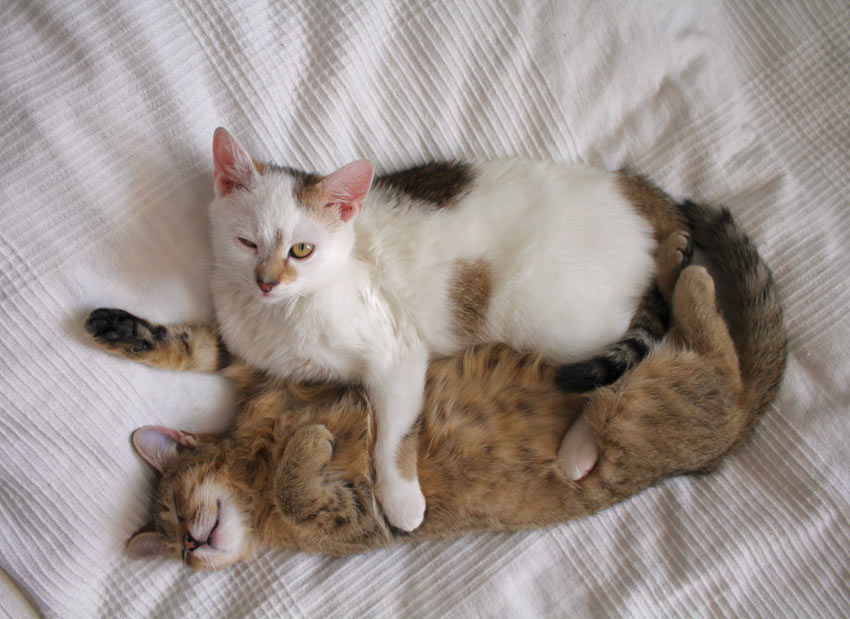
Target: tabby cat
295,470
337,278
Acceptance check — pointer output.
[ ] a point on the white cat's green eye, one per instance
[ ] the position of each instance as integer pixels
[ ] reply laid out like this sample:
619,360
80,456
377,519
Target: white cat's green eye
246,242
301,250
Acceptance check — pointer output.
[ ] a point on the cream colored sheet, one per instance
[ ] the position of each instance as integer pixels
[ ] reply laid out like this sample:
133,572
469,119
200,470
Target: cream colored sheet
108,111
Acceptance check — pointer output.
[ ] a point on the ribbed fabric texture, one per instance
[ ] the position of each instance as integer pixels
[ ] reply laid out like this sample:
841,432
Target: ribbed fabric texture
107,113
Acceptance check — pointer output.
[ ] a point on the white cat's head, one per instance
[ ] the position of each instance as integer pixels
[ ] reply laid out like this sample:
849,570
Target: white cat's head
280,233
200,515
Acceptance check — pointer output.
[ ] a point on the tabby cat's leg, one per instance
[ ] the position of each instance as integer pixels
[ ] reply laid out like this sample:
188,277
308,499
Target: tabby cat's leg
673,255
303,489
180,346
698,323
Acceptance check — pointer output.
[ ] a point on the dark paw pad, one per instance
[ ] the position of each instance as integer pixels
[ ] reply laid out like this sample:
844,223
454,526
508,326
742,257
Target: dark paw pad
115,327
688,252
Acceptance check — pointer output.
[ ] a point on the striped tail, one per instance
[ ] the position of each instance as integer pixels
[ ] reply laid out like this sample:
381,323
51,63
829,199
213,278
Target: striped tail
747,300
649,324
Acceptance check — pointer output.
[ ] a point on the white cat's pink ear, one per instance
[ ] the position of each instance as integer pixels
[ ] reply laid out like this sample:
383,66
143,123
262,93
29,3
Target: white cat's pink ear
146,545
159,445
348,186
234,168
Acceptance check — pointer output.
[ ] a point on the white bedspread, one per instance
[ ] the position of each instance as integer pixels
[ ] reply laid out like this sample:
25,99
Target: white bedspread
107,113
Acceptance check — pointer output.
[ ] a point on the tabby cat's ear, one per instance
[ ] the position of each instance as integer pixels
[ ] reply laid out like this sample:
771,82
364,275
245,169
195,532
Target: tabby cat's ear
234,168
348,186
145,545
159,445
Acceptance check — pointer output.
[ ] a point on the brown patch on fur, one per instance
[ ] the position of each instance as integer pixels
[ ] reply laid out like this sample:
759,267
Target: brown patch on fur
654,205
439,183
310,193
276,267
406,457
260,167
470,288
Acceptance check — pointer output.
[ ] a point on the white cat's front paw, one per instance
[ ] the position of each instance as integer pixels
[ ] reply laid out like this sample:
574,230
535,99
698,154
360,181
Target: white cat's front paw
402,501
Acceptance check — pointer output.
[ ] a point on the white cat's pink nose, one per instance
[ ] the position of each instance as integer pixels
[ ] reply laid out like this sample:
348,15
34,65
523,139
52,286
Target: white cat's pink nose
266,286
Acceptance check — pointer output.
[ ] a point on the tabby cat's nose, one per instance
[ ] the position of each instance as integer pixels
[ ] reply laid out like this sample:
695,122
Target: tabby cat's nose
190,543
267,286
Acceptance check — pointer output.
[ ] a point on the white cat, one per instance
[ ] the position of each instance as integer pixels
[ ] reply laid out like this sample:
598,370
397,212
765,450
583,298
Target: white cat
320,278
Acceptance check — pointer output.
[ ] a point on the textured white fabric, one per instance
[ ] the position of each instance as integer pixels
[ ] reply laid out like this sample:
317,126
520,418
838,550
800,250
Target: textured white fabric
108,111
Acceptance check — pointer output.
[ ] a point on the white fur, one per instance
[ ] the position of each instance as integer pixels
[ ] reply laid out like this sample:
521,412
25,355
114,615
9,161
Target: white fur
216,519
569,258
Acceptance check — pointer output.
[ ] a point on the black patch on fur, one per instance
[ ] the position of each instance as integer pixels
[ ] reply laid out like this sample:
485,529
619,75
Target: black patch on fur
439,183
224,358
187,346
115,326
638,346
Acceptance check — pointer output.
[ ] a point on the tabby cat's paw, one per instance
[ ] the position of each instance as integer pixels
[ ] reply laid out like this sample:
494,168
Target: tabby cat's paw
578,453
695,285
314,445
403,502
122,332
674,254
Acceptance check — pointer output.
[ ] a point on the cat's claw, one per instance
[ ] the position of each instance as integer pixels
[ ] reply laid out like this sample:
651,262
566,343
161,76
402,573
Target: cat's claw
403,503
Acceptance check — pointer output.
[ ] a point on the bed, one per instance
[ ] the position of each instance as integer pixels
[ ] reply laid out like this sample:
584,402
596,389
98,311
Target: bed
108,111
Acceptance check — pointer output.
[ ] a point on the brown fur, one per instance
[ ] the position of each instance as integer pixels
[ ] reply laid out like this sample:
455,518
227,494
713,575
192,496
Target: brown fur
311,195
469,295
183,346
259,166
653,204
276,266
487,443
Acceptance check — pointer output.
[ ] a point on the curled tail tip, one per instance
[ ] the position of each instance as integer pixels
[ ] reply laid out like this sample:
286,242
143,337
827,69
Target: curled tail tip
581,377
747,293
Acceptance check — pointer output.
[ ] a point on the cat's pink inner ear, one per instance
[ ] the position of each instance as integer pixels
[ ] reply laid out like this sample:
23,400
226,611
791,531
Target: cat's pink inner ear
159,445
146,545
234,168
348,186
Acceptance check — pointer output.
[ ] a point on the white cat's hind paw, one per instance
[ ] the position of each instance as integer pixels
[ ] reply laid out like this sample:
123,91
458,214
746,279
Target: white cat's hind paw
403,502
578,453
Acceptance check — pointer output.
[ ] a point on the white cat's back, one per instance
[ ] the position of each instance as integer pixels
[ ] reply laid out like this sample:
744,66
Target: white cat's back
566,256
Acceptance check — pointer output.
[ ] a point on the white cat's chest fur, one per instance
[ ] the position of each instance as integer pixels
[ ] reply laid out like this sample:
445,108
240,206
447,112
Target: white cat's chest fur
568,256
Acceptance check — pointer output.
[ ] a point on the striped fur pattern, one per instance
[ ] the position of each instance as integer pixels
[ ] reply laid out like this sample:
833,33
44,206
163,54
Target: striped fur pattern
295,471
648,326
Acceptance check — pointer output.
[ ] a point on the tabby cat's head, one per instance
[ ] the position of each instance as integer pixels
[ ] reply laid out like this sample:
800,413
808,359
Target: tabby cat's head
200,515
280,233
